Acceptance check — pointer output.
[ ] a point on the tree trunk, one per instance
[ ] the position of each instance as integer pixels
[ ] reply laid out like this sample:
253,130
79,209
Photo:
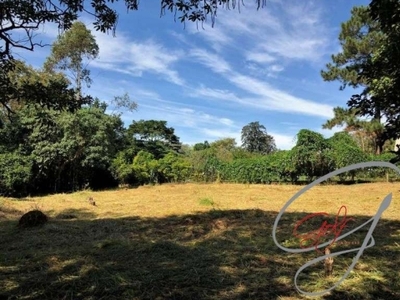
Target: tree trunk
379,142
362,142
78,82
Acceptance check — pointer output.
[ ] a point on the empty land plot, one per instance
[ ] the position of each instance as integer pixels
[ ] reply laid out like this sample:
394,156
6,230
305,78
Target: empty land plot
194,241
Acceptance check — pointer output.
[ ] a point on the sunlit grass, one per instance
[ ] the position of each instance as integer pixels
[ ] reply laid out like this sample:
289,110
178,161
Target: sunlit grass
192,241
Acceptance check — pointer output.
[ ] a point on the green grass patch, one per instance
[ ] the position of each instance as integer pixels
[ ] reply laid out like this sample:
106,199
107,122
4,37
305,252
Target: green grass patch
206,201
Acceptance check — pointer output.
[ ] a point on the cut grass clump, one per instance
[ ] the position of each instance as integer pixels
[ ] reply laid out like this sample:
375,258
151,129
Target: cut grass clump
32,218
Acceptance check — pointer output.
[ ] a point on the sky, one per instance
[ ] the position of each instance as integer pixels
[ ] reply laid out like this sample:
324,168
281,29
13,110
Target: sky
208,82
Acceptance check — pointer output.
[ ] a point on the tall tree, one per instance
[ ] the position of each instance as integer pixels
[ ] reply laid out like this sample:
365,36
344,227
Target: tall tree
367,132
361,39
70,50
153,136
255,139
384,69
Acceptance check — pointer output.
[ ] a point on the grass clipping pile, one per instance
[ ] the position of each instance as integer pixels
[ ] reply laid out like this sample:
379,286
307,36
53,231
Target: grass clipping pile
32,218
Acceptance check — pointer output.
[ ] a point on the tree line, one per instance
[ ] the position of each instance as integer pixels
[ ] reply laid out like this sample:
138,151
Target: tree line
53,138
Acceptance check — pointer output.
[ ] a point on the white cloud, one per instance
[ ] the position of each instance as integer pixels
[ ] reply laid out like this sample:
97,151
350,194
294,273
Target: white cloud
125,55
137,58
185,116
217,38
215,133
283,142
274,99
261,71
264,95
204,91
260,57
276,68
226,121
327,133
213,61
291,30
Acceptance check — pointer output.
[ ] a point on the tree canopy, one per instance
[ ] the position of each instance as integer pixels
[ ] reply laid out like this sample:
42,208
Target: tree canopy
384,69
255,139
69,51
362,40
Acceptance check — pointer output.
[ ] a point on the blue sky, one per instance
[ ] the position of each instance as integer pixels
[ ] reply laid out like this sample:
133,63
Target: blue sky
208,83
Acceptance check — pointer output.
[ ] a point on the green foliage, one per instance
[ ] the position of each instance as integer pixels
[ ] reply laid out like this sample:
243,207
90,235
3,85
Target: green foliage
153,136
377,172
15,174
68,52
144,167
206,201
256,140
345,152
38,88
122,171
285,165
67,150
312,154
175,168
124,101
383,71
361,39
201,146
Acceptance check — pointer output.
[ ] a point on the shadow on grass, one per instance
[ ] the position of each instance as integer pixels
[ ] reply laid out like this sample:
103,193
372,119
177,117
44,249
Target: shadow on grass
72,213
215,255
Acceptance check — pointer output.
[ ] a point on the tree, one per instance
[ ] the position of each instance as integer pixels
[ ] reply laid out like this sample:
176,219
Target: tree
384,69
201,146
312,154
346,152
28,86
229,144
360,38
124,101
369,133
256,140
154,137
68,53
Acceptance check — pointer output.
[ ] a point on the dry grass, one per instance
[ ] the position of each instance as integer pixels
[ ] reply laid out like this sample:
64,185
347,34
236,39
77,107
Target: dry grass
170,199
191,241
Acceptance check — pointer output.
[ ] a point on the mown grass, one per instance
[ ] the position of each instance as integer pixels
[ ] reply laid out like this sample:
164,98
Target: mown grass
192,241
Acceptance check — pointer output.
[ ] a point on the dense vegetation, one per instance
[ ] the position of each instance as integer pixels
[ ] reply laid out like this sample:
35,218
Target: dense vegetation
55,139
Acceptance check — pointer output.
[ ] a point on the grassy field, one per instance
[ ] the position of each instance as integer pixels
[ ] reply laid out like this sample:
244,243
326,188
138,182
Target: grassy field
194,241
